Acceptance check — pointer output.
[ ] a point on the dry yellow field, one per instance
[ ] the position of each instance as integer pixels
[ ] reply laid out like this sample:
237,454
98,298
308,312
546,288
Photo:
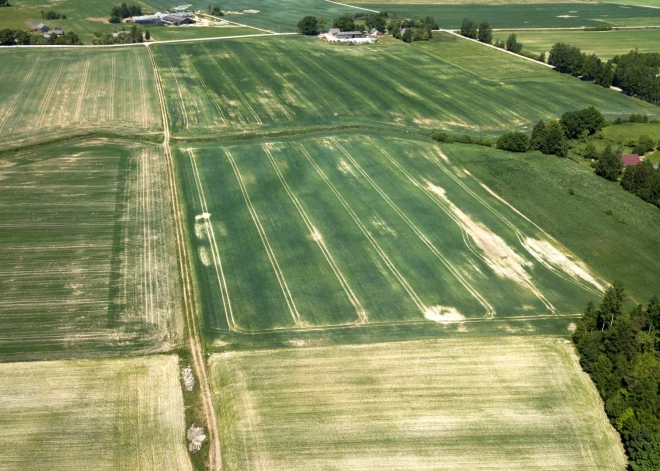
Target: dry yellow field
472,404
92,415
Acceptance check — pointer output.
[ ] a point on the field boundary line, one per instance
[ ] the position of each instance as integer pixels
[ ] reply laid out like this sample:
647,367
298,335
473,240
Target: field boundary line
404,283
359,309
490,311
264,240
352,6
215,454
19,92
217,261
178,88
238,92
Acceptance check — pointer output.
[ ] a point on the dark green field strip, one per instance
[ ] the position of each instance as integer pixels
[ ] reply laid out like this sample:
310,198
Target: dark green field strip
532,15
257,85
622,245
82,230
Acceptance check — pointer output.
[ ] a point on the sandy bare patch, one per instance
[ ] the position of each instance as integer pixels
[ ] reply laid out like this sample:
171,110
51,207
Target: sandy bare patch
555,259
98,20
204,257
443,314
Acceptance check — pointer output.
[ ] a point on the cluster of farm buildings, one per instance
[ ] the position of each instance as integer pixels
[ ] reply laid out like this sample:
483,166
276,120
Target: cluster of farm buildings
334,35
45,29
176,19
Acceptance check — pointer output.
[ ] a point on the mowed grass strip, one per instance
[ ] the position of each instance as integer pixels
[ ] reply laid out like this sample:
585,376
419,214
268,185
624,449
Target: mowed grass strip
526,15
87,261
92,414
605,44
347,230
482,404
56,93
268,83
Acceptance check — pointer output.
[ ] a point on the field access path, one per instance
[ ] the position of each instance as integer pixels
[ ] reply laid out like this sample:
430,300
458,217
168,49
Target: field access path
196,349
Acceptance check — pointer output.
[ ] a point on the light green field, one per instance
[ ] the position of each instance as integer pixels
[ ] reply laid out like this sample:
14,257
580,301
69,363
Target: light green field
360,230
481,404
166,33
87,258
605,44
621,245
101,415
274,83
528,14
48,94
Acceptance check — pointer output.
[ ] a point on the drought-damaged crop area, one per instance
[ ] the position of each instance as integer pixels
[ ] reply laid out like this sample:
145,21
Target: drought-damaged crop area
92,414
481,404
64,92
353,230
253,84
87,258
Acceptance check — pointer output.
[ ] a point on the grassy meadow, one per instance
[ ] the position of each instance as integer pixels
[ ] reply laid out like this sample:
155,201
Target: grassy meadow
274,83
620,245
605,44
355,230
86,252
166,33
526,15
92,414
481,404
49,94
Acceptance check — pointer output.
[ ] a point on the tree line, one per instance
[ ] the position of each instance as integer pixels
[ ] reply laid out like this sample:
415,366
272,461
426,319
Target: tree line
52,15
635,73
620,350
13,37
124,11
133,35
483,32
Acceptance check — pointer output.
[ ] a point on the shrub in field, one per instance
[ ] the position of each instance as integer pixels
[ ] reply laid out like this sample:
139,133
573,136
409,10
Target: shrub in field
485,34
216,11
513,45
469,29
513,141
576,122
609,164
308,25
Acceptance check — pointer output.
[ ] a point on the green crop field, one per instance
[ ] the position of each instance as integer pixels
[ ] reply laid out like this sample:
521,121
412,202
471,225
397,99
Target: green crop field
620,245
166,33
59,93
355,230
92,414
262,83
86,251
605,44
482,404
532,15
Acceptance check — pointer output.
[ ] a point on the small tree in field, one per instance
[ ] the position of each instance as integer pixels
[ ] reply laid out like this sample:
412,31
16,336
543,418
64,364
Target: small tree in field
513,45
322,22
469,29
485,34
513,142
308,25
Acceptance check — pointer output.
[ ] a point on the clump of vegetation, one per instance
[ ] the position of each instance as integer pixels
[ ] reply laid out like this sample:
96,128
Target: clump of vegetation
124,11
134,35
13,37
309,25
216,11
52,15
464,139
513,141
4,3
621,352
412,30
570,60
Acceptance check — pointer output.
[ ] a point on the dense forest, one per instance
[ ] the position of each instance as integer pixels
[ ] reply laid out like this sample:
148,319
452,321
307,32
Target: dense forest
620,349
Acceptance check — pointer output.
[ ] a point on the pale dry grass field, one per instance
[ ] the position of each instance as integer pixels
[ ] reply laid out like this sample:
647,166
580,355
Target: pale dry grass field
92,415
498,404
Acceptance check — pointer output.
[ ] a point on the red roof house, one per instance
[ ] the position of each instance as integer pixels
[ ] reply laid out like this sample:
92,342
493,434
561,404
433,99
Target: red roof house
630,159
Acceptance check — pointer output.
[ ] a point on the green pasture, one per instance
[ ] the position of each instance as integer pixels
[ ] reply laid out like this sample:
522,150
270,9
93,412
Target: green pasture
481,404
529,15
51,94
625,136
92,414
621,245
358,230
605,44
273,83
86,252
168,33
